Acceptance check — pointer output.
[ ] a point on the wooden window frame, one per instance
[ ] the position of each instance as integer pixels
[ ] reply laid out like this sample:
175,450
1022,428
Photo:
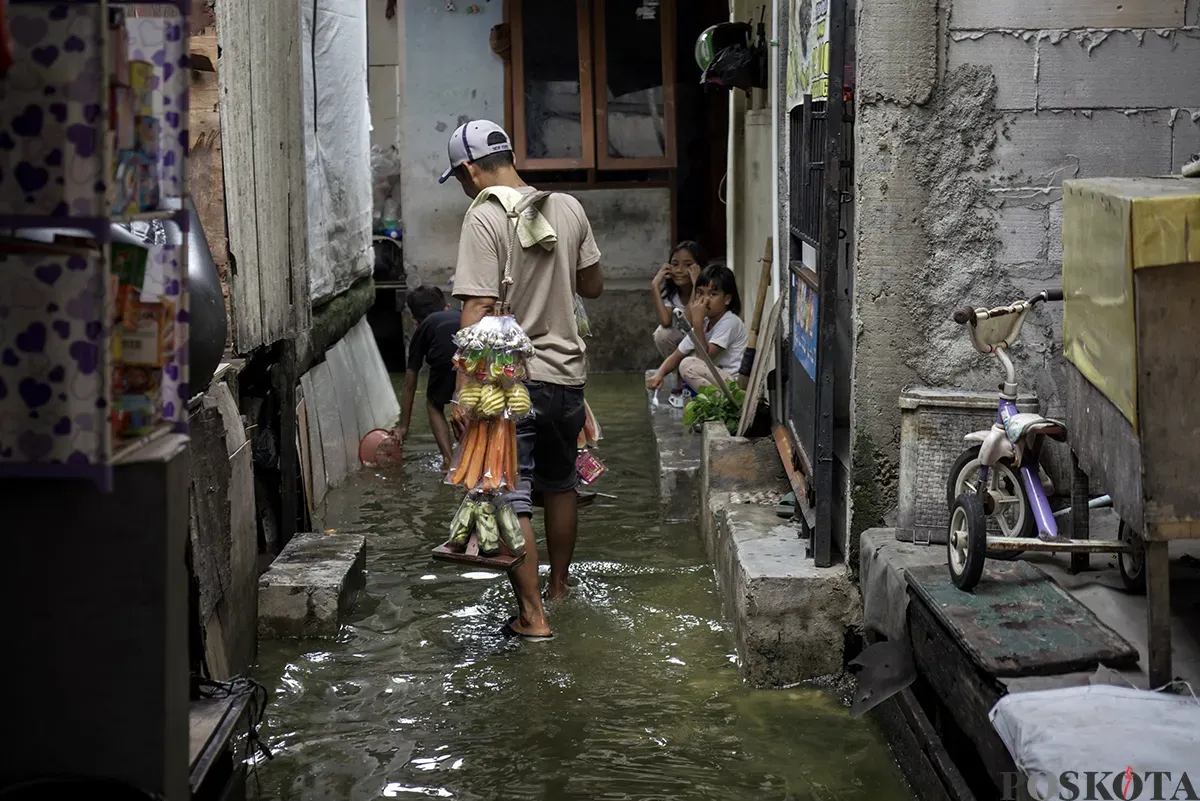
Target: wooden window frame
666,21
593,92
587,119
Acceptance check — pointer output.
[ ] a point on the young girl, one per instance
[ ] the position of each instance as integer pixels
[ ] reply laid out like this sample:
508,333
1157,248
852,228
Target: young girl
713,314
672,289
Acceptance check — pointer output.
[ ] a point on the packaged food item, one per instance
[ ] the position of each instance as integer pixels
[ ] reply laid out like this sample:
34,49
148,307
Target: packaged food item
141,82
135,408
148,194
125,183
146,131
581,319
149,341
493,526
589,467
129,264
590,435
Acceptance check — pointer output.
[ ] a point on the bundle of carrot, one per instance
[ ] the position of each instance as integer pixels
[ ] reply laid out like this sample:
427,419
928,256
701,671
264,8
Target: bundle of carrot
488,459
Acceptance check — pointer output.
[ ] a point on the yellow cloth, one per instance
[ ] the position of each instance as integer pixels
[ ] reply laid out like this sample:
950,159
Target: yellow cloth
532,226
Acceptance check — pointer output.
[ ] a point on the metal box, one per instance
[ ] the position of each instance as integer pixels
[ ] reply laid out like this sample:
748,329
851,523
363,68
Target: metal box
933,423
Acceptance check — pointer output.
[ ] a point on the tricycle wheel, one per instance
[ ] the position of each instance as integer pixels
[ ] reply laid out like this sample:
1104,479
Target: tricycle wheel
966,545
1131,565
1011,515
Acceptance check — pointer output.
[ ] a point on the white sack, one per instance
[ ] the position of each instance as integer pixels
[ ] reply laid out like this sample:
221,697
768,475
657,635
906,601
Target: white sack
1100,728
337,144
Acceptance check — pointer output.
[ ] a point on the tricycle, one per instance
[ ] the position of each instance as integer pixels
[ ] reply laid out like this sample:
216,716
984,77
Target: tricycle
999,477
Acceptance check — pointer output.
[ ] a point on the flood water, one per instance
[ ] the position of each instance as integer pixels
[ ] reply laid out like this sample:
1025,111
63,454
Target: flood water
638,698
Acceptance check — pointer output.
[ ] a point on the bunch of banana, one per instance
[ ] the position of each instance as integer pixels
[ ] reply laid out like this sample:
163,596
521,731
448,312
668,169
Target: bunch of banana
469,395
489,531
517,399
491,401
510,529
463,522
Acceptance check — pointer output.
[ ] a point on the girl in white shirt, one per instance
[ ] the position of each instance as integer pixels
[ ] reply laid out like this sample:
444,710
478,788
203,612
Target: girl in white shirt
672,289
713,314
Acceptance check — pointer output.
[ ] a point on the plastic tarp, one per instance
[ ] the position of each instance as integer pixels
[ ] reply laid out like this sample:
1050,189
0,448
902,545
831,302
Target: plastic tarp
337,144
1100,728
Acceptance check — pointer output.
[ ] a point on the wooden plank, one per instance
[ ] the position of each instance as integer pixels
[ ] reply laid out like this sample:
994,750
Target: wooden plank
208,524
1019,622
291,73
271,45
1158,612
316,455
1168,371
284,385
304,448
238,609
237,114
1103,439
963,692
333,440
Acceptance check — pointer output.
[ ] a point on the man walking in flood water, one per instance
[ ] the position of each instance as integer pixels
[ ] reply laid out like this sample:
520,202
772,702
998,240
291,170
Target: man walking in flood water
558,258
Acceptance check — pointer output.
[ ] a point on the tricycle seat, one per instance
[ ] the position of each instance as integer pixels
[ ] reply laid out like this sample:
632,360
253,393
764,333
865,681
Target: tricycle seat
1030,424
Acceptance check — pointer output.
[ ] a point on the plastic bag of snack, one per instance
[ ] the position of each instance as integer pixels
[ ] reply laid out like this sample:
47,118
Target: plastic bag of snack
589,467
463,523
510,530
590,435
582,323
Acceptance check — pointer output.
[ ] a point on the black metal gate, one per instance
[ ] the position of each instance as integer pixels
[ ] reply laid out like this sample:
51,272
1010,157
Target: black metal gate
815,198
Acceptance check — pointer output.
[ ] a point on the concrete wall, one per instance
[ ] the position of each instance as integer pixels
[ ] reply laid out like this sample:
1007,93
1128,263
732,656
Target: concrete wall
966,128
437,94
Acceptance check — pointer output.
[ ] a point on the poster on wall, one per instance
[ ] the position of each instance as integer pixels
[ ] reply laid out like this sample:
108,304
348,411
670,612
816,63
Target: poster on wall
808,51
804,326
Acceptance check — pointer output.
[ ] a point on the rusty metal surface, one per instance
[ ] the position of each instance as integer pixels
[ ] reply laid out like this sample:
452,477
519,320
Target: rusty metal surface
1019,622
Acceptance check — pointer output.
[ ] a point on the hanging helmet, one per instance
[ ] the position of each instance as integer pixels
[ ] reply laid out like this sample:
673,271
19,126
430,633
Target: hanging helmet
705,50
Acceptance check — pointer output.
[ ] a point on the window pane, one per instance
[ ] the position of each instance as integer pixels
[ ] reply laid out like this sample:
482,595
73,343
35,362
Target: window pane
636,125
552,103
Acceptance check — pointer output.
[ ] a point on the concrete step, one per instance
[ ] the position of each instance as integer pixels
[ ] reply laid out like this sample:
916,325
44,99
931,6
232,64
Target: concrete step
311,586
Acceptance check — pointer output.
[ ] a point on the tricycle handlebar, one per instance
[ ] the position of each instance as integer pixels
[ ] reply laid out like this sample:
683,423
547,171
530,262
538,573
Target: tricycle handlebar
965,314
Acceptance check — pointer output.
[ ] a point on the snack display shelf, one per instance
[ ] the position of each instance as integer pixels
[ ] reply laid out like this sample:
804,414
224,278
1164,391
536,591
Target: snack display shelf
93,330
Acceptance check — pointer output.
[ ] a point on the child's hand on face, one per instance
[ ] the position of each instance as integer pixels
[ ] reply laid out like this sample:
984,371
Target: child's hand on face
663,274
698,309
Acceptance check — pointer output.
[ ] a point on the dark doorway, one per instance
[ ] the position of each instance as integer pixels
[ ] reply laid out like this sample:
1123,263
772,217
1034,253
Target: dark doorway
702,132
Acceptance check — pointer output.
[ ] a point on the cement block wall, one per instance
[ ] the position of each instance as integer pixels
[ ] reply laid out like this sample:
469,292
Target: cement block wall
970,114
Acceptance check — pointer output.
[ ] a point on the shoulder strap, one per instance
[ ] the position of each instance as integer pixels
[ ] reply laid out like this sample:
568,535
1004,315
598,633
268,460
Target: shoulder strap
514,217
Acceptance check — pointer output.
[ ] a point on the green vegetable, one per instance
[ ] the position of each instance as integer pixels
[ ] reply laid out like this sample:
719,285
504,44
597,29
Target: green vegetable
710,403
489,531
510,529
460,526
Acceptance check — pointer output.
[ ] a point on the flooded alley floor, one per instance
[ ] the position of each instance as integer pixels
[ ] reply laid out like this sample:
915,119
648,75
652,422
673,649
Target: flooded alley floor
638,698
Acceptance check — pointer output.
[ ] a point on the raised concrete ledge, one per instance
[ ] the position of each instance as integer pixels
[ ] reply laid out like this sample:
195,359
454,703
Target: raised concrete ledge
678,452
790,618
311,586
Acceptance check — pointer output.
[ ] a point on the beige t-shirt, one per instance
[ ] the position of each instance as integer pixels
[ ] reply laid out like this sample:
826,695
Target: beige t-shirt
542,295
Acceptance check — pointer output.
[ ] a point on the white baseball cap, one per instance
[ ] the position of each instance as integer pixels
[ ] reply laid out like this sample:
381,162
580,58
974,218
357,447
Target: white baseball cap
472,141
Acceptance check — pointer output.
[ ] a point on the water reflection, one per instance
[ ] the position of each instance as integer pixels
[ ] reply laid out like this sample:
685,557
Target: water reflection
637,699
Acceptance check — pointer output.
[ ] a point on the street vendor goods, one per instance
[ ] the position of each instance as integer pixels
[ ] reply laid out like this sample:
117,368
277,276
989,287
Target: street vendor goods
493,355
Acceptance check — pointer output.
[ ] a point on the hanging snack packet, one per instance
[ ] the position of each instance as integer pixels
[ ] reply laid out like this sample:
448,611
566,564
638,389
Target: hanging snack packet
581,319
